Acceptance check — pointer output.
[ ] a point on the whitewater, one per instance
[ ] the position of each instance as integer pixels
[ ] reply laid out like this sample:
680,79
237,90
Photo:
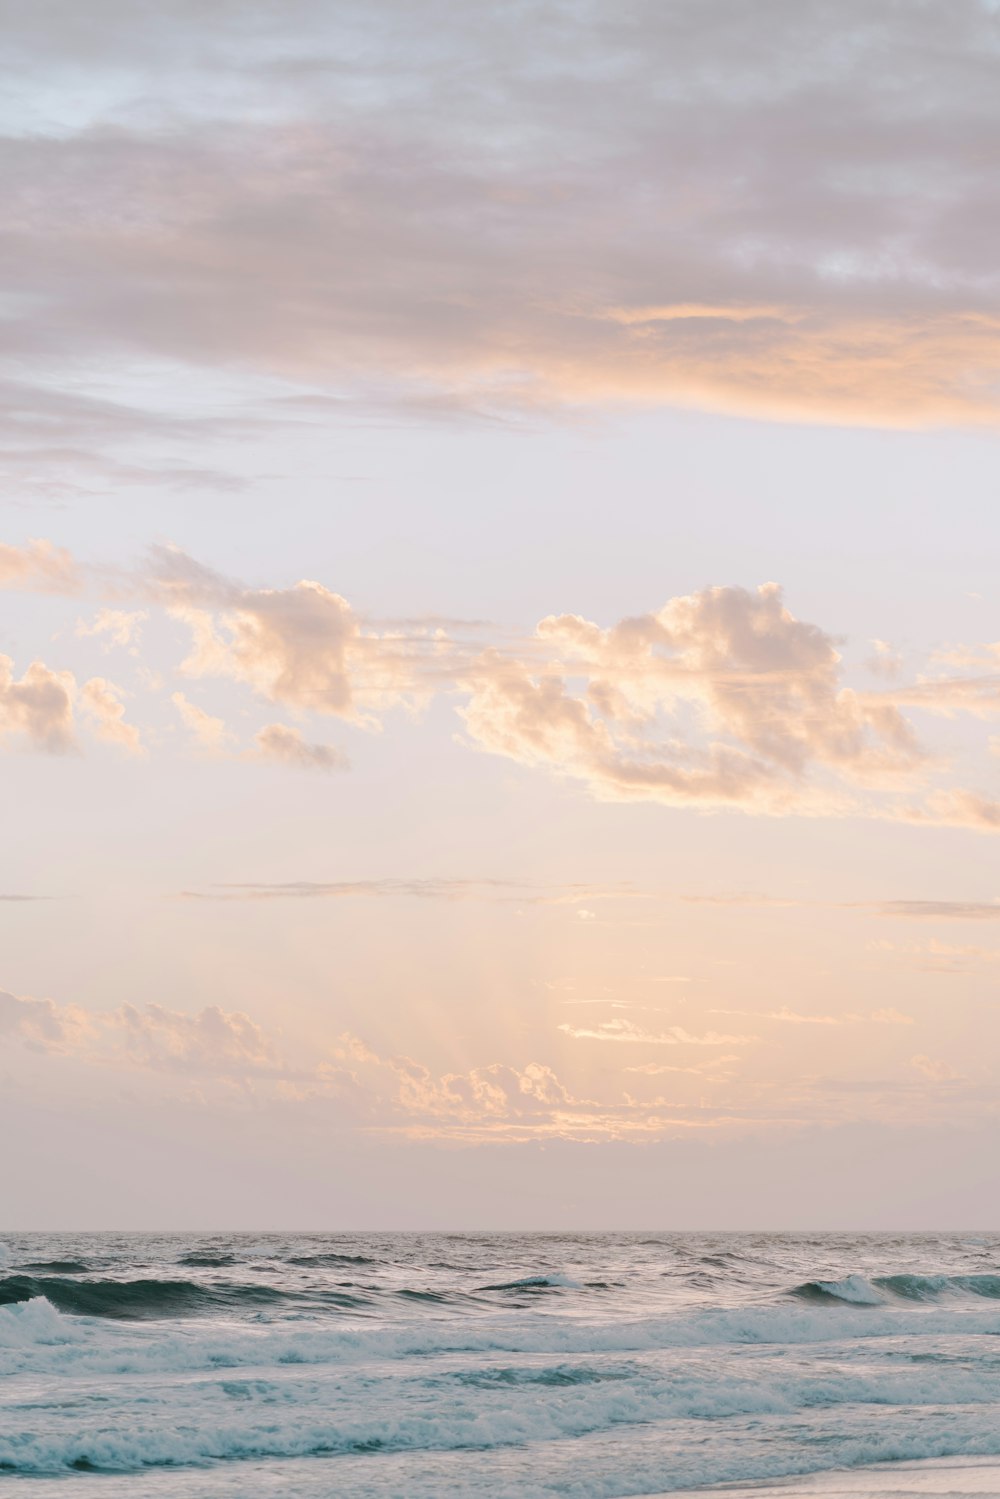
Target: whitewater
593,1366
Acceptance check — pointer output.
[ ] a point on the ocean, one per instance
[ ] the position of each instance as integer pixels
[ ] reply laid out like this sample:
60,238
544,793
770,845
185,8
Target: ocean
592,1366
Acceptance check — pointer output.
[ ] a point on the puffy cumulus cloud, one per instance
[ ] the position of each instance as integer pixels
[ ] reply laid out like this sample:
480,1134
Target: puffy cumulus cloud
39,566
303,645
43,1025
213,1040
282,745
781,211
210,1042
499,1101
39,707
721,698
289,644
101,702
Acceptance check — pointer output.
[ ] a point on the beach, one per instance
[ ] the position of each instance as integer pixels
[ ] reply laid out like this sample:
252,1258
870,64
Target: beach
950,1476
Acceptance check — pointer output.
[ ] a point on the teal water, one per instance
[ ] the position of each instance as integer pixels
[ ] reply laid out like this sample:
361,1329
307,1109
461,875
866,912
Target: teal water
594,1366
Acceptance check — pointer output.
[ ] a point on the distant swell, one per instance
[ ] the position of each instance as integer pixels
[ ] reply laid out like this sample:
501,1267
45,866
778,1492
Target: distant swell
330,1259
536,1283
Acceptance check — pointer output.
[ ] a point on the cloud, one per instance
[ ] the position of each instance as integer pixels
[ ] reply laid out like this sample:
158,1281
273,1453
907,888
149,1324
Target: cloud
937,1071
120,627
521,892
394,1094
39,566
209,733
779,214
101,701
44,1025
302,646
628,1033
792,1017
698,1069
501,1102
212,1041
941,910
721,698
960,809
39,707
282,745
939,957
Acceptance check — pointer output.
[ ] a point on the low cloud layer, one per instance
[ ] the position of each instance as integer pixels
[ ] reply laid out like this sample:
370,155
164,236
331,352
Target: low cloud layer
221,1058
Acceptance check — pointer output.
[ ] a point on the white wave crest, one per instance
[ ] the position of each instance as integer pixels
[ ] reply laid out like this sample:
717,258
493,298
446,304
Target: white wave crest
29,1324
854,1289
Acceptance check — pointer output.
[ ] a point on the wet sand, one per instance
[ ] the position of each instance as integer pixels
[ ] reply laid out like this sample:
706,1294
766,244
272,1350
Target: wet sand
938,1476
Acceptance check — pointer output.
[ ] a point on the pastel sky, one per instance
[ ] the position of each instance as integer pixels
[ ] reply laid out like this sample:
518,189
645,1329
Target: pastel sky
499,636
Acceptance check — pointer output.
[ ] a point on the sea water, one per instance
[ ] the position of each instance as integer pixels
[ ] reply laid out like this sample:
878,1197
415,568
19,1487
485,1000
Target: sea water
430,1365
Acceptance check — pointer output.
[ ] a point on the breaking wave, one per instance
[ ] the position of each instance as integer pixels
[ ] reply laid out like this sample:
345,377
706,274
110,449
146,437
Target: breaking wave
855,1290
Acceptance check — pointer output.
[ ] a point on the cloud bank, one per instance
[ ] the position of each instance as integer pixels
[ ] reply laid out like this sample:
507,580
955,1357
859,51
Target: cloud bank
782,212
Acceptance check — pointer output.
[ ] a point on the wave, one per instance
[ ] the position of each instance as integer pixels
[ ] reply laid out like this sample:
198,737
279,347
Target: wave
206,1259
539,1283
349,1340
864,1412
855,1290
137,1300
55,1267
330,1259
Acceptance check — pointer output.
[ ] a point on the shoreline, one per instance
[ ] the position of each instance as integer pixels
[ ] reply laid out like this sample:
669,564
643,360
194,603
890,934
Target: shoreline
903,1480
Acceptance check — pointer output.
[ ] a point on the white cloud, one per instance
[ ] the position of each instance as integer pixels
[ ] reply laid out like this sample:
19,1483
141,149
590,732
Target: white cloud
721,698
628,1033
40,566
39,707
282,745
101,701
937,1071
208,732
119,627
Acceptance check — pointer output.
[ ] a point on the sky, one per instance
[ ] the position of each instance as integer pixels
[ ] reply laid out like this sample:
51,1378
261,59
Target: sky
499,647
